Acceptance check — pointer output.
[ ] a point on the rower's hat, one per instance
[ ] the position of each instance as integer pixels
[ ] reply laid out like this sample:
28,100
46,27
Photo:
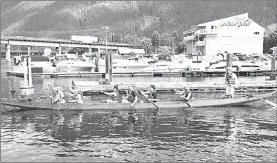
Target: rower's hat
115,86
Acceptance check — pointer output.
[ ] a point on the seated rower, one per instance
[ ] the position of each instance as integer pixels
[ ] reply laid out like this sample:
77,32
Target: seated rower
132,95
59,97
114,94
125,98
186,93
152,94
77,95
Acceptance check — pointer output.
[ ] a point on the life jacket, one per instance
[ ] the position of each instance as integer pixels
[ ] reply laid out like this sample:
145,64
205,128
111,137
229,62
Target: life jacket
61,94
117,97
153,95
133,93
80,100
61,100
187,94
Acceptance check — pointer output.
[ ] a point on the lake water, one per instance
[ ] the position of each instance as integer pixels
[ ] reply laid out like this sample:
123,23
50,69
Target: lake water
246,133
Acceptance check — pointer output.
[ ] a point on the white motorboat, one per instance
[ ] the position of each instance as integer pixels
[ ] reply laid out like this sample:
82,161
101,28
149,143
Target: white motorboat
72,63
238,66
178,63
39,64
124,65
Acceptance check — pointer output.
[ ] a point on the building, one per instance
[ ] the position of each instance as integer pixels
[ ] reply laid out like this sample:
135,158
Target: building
236,34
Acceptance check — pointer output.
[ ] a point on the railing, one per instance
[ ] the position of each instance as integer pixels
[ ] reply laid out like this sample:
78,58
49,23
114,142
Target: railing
206,32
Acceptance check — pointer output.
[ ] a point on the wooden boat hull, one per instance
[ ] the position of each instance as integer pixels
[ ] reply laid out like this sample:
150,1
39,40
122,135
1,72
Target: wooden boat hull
199,103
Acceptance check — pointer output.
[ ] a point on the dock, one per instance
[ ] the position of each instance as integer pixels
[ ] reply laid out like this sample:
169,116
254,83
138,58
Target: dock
153,74
92,87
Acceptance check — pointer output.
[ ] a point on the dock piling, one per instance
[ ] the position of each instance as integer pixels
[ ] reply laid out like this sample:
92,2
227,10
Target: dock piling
273,68
229,60
29,67
8,52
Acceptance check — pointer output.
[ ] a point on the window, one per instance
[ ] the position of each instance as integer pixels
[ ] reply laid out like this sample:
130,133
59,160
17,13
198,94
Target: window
256,33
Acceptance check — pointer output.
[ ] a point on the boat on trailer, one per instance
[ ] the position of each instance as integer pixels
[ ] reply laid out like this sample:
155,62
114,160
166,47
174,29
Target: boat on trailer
196,103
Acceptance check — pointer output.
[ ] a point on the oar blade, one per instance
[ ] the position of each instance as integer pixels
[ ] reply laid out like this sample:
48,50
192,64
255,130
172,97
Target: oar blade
271,103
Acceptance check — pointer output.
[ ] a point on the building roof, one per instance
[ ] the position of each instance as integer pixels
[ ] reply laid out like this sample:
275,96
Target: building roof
129,50
220,21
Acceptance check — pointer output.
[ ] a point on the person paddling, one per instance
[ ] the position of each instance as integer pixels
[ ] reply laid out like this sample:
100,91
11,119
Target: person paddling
114,94
77,96
152,94
59,97
185,94
133,95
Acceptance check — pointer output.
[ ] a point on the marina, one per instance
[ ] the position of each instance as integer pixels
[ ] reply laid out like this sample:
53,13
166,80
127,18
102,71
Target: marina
138,81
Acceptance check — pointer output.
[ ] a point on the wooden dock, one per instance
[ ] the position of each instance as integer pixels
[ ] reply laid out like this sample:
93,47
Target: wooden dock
153,74
89,87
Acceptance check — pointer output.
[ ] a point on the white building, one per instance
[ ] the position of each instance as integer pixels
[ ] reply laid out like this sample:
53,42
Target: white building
236,34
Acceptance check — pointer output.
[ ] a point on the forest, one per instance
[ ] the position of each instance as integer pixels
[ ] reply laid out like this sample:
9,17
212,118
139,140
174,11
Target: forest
128,21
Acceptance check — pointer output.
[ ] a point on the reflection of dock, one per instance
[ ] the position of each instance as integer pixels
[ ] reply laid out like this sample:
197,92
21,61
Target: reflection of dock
154,74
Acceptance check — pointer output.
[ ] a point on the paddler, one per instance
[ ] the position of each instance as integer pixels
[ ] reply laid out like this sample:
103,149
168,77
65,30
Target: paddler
152,94
185,94
132,95
231,81
114,95
59,97
77,95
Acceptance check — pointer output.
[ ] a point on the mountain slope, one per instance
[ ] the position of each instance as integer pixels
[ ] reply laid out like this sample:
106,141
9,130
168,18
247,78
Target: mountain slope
61,19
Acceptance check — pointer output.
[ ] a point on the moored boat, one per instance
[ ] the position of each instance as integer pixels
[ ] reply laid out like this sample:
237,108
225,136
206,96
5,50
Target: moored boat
197,103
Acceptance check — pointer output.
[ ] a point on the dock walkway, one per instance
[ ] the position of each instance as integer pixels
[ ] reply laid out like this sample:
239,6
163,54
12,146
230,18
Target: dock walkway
154,74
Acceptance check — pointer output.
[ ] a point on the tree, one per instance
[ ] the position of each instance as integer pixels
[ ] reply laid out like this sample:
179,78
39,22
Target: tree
116,38
132,40
155,41
181,47
145,43
270,41
174,40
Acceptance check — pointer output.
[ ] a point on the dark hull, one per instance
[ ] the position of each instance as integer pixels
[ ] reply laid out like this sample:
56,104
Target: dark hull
198,103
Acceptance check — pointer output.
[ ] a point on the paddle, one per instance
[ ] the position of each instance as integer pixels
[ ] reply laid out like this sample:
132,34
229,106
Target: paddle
50,97
77,104
132,107
183,99
150,100
269,102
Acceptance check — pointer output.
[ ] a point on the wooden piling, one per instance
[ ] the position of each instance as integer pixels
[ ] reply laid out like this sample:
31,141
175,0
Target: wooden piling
25,72
229,60
273,68
107,67
29,67
110,67
8,52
